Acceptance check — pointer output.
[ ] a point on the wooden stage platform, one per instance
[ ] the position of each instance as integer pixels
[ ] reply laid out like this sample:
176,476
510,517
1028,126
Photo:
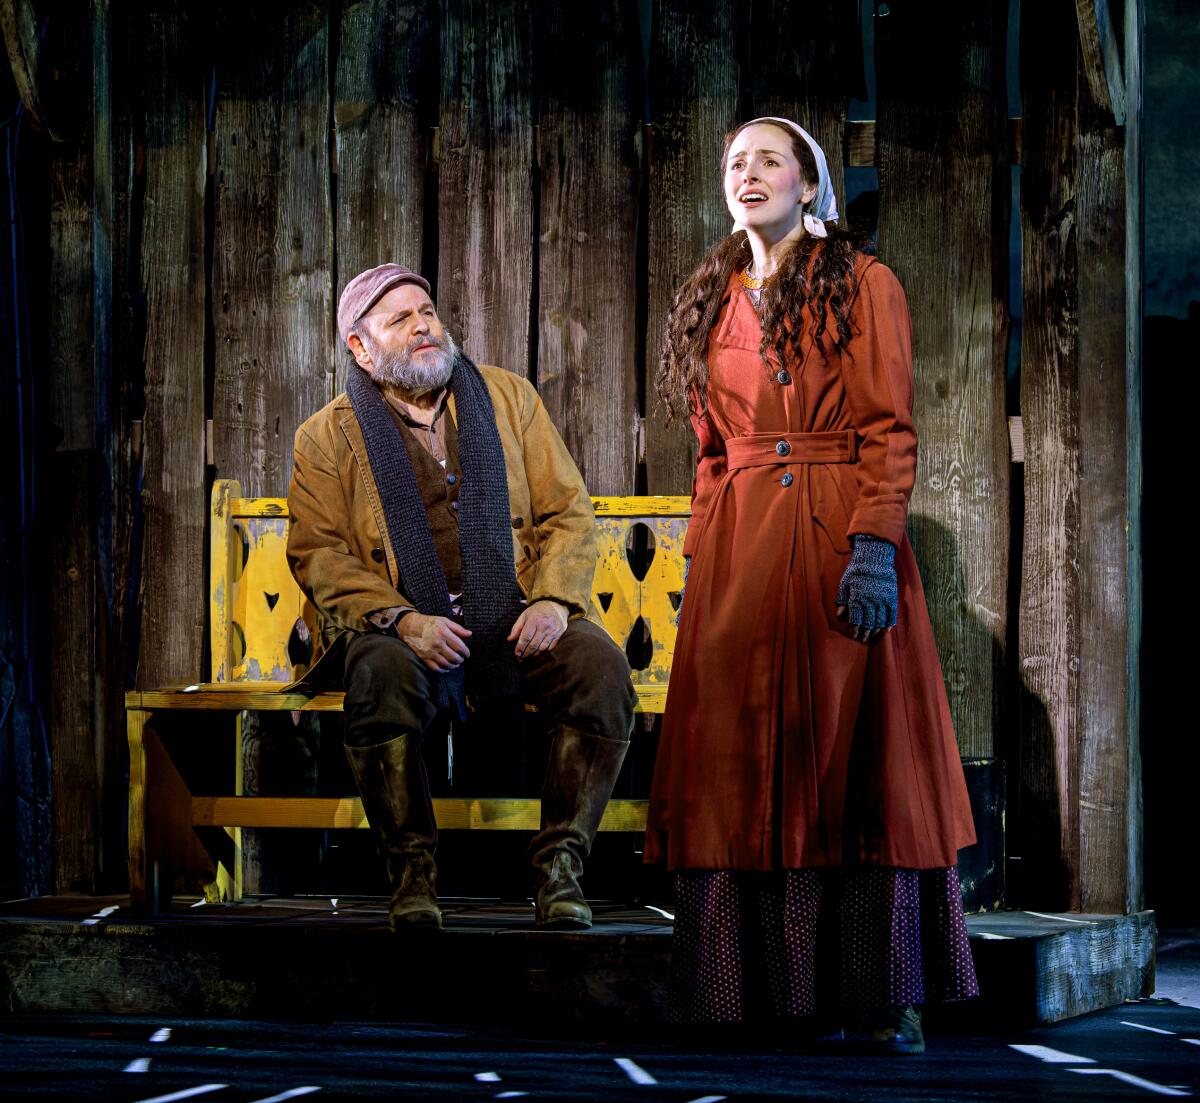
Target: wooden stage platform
323,959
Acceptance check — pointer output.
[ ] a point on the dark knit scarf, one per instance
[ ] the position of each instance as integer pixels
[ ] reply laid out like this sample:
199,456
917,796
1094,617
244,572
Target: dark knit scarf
491,600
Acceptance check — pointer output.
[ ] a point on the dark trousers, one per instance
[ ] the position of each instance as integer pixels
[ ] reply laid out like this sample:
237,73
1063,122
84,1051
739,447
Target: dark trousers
582,683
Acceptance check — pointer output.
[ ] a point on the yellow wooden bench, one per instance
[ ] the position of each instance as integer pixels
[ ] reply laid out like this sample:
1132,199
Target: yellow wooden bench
256,611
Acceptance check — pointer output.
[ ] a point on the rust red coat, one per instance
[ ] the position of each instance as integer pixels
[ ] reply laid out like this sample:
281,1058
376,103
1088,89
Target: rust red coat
786,742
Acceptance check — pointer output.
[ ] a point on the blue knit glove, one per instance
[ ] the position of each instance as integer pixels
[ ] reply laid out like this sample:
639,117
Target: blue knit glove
868,588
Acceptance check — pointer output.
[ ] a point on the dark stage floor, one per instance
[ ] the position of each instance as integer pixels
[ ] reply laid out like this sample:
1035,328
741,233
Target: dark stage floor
1141,1051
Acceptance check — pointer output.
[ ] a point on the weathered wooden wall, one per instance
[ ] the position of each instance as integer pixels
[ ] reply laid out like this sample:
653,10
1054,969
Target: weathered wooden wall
383,109
589,162
694,97
943,226
556,184
174,281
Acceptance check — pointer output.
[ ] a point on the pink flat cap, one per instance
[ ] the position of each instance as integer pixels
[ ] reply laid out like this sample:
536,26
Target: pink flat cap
367,288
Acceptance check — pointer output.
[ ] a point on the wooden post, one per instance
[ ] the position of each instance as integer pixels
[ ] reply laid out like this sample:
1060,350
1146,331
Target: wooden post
385,77
589,148
138,796
1110,484
1046,814
174,284
943,227
1080,604
694,102
485,173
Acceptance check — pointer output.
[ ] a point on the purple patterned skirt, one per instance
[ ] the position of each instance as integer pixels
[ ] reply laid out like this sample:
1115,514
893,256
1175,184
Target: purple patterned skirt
757,946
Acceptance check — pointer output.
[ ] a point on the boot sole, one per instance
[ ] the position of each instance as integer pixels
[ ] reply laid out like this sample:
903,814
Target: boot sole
564,923
420,921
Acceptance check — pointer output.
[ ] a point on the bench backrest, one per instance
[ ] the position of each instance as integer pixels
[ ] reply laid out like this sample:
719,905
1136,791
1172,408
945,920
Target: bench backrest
257,628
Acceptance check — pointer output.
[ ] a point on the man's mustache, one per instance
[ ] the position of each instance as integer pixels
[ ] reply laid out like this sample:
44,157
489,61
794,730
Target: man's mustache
420,342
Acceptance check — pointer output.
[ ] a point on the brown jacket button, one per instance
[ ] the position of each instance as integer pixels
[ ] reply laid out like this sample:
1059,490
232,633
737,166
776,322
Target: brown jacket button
377,554
518,522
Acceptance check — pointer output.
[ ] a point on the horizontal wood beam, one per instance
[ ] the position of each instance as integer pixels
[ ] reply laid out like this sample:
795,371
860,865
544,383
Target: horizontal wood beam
500,814
859,143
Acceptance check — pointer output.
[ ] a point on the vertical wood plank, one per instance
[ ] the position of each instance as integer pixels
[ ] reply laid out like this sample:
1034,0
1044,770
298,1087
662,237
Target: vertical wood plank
1133,18
173,280
805,62
694,103
485,201
71,394
385,80
589,172
1110,495
113,384
942,221
272,297
1049,635
75,770
126,408
26,809
71,529
1103,510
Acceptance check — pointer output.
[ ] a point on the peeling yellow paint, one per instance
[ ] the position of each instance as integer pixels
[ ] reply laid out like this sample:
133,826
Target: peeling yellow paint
255,602
649,598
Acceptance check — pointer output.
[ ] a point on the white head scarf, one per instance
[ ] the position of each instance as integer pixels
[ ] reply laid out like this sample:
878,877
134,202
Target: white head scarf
824,205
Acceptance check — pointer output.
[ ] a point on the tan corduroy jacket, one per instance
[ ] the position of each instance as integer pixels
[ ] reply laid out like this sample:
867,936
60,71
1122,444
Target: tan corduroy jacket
338,544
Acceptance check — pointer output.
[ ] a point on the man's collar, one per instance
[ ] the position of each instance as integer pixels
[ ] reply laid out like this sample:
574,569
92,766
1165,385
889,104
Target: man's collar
401,408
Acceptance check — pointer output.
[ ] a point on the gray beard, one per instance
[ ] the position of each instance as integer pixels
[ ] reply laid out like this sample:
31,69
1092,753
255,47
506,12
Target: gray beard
396,368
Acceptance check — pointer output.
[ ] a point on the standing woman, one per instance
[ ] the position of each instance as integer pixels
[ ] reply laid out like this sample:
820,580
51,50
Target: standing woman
808,792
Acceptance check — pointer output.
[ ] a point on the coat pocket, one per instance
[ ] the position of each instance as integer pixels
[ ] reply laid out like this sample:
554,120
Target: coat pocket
831,509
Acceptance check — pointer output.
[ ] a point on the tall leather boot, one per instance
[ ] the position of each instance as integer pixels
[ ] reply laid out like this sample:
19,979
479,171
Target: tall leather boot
395,794
580,777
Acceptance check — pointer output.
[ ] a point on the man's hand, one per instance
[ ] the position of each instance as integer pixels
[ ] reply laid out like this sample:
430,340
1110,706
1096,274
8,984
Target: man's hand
437,641
539,627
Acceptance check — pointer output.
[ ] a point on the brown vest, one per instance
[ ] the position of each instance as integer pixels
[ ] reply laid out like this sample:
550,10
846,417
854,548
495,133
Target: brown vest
439,491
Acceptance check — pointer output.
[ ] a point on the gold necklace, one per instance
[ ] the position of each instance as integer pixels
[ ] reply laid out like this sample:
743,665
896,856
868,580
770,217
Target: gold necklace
749,282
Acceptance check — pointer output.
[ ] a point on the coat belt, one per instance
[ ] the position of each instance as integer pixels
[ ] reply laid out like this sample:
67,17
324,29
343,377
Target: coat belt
767,449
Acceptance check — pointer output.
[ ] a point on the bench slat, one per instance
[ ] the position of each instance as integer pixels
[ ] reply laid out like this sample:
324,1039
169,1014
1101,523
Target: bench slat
642,505
266,697
498,814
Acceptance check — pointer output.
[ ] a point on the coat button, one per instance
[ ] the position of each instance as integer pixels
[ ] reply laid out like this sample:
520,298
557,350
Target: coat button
783,448
518,522
786,480
454,506
452,478
377,554
784,377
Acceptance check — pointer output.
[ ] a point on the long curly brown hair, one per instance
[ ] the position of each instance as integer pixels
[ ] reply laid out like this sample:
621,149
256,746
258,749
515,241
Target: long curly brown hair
816,273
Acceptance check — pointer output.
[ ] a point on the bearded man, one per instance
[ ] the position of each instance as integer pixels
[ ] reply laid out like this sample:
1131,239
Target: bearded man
445,537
